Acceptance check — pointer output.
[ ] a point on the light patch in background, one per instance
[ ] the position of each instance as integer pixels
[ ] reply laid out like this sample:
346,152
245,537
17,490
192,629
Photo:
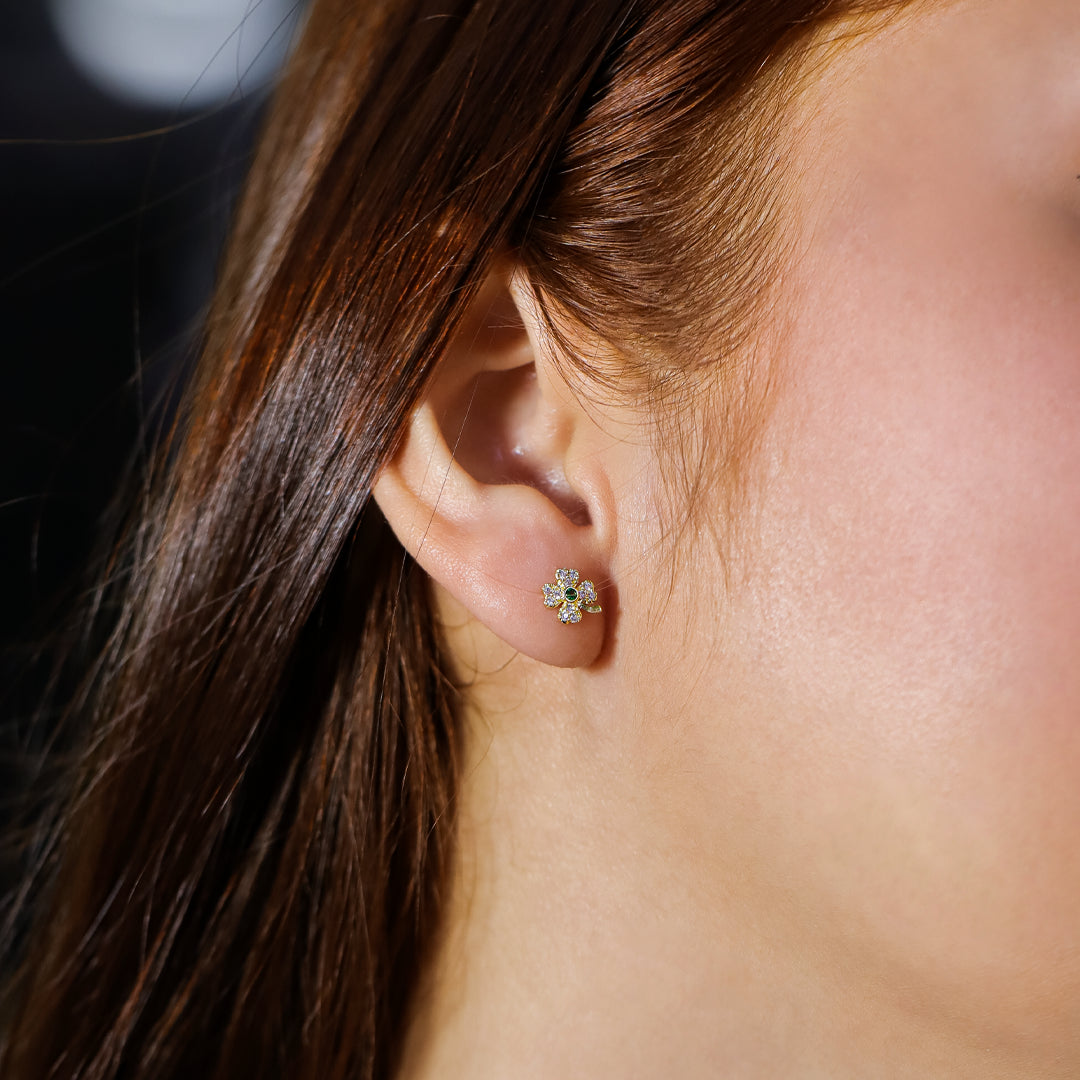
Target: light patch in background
176,53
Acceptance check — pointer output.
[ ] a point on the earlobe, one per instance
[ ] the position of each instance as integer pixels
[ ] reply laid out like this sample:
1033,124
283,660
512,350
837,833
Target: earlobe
480,493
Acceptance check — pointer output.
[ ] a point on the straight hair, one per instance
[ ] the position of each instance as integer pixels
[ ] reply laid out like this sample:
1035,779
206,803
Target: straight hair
242,871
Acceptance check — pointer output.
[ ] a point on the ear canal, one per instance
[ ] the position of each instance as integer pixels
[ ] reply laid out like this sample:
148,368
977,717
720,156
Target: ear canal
498,433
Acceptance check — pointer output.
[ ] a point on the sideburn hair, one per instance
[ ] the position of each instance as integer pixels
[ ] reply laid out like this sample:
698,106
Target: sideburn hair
241,871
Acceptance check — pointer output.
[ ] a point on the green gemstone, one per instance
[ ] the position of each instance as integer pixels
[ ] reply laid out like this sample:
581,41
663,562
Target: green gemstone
570,594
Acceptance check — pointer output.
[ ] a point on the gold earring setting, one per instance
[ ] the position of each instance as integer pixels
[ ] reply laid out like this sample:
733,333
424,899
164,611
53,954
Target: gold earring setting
571,596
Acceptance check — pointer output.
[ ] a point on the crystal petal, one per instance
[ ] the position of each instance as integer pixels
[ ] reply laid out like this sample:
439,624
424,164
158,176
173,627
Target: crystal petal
569,613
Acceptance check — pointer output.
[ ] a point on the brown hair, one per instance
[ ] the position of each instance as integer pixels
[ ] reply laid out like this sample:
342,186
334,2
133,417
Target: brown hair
246,868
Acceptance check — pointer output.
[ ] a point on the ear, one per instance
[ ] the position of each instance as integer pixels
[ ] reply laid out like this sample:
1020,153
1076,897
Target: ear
498,484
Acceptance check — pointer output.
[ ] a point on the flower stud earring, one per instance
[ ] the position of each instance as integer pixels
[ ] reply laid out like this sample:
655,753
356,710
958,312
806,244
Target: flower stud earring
571,596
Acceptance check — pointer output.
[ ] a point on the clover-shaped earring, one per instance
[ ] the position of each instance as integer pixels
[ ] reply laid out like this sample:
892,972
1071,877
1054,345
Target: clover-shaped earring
570,596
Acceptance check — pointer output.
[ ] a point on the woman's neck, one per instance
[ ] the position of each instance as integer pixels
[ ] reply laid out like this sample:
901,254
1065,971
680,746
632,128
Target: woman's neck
587,936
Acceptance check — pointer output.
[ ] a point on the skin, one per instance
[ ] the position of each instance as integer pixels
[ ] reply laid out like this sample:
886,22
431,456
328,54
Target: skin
815,811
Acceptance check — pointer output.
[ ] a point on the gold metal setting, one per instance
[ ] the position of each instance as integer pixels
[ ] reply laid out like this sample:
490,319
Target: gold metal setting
571,596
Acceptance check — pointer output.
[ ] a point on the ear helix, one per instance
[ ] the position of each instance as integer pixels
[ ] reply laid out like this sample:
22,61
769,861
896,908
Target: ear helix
571,596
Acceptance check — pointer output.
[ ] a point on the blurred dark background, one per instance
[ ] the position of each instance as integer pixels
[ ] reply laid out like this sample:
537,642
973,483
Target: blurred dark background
125,132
